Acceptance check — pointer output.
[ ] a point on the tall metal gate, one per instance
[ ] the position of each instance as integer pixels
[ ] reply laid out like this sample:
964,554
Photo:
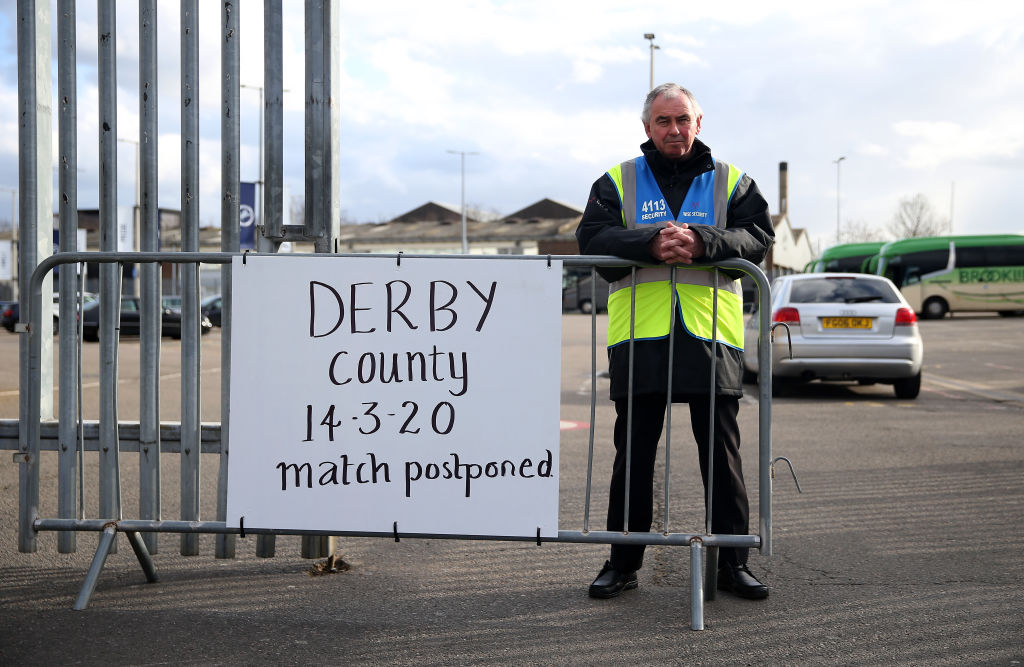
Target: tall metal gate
320,226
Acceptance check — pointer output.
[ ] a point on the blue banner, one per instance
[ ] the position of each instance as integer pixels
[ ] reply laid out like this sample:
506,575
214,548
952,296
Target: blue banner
247,216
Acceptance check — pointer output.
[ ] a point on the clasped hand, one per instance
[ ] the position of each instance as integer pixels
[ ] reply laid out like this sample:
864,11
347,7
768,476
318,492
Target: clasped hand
677,244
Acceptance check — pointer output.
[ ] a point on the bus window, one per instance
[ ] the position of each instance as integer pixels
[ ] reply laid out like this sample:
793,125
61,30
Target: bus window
849,264
917,264
966,257
993,255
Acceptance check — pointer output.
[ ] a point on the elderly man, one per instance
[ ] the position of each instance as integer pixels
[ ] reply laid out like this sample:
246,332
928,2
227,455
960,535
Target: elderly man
675,205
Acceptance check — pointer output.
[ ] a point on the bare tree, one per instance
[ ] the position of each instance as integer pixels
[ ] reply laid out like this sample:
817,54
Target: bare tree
915,217
859,231
482,213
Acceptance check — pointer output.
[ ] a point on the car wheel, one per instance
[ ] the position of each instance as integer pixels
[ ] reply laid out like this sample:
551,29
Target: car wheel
586,307
934,308
908,387
1011,313
91,335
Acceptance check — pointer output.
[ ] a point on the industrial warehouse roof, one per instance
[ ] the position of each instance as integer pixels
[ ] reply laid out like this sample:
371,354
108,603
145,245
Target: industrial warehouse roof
432,212
391,233
434,223
545,209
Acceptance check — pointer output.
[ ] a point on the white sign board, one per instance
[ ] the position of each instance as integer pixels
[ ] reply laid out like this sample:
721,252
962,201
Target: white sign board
369,395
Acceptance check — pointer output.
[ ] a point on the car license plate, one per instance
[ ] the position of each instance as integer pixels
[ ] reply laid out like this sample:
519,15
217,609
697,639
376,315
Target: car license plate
846,322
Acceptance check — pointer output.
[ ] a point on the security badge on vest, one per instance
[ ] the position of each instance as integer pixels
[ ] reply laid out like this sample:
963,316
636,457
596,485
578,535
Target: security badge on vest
706,203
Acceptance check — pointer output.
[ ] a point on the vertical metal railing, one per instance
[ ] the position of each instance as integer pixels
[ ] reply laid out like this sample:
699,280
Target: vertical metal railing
229,242
673,299
321,165
67,165
593,395
110,274
151,287
629,398
273,129
28,252
712,394
322,99
273,161
764,416
189,276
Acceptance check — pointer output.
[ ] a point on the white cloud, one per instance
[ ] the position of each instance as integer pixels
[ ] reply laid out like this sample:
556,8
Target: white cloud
936,143
869,149
686,58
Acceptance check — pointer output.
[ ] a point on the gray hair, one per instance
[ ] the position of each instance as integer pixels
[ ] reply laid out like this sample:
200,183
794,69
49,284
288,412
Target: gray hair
670,91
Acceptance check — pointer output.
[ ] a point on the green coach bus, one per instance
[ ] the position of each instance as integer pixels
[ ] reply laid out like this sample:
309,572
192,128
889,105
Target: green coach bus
845,257
946,274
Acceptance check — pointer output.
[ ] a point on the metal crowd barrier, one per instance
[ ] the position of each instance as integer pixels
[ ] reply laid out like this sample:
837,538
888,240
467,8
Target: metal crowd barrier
703,544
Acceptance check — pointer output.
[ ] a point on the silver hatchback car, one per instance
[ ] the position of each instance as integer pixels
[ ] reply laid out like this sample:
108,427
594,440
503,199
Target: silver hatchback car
843,326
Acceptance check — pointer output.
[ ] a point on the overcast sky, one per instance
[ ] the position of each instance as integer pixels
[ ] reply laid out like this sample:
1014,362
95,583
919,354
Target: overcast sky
920,97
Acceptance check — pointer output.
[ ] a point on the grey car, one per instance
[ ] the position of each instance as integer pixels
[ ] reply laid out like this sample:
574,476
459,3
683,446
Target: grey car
843,327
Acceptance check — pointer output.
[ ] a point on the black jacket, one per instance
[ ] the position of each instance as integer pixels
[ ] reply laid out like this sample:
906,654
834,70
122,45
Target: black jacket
748,234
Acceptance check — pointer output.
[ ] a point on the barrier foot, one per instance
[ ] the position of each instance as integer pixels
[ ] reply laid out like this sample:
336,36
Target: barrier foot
266,546
225,547
696,586
139,547
318,546
89,585
711,574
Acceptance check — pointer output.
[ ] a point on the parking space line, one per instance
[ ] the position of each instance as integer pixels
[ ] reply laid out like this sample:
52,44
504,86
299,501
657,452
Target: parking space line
976,389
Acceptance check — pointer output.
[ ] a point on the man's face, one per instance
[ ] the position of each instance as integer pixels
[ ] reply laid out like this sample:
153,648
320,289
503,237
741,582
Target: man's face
673,126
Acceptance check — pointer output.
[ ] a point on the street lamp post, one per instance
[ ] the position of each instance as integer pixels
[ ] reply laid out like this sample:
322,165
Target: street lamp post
463,154
650,37
836,162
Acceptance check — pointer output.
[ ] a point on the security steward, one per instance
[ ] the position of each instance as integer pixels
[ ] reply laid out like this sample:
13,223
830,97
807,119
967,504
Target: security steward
675,205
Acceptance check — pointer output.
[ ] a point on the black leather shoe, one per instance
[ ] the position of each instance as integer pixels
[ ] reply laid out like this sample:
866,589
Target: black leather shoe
610,582
737,579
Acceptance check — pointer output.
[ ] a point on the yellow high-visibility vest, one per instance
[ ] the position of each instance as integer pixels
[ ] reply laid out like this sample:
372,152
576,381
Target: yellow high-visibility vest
706,203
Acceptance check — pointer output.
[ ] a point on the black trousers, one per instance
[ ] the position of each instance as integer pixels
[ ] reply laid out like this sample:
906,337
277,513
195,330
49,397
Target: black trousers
730,510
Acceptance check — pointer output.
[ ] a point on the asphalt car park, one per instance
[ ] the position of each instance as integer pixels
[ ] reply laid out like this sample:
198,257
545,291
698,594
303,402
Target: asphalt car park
903,547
